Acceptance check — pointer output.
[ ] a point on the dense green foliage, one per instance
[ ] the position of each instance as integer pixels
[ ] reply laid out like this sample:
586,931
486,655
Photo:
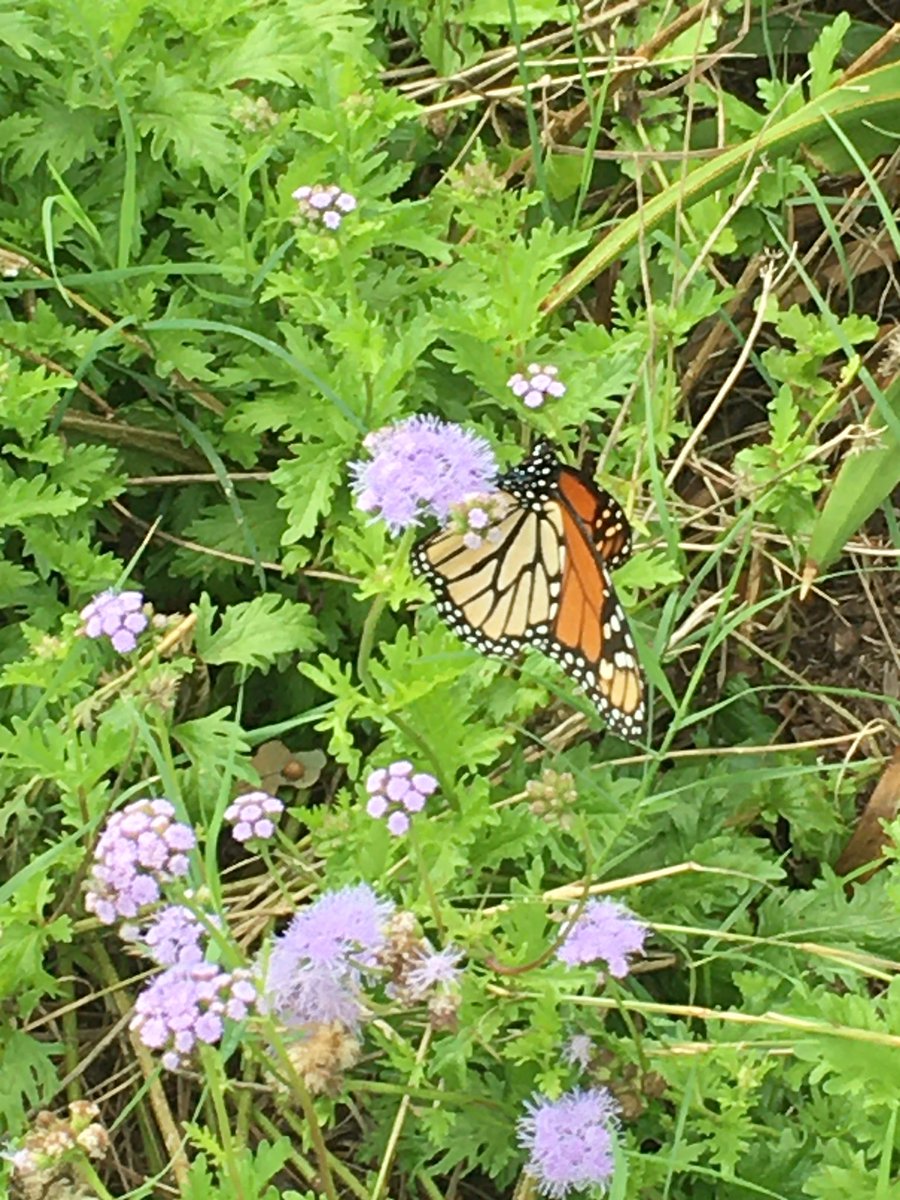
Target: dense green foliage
186,371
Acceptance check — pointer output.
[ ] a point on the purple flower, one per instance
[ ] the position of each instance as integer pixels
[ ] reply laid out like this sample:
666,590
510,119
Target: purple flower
434,969
250,815
173,935
116,615
605,930
396,791
187,1004
141,847
314,969
579,1050
569,1140
537,385
418,467
478,517
325,203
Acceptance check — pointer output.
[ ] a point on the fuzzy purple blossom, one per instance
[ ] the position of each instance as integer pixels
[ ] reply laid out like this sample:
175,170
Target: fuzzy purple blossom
250,815
397,791
172,935
324,203
569,1141
537,385
478,518
314,970
188,1004
432,970
116,615
421,467
579,1050
142,847
604,931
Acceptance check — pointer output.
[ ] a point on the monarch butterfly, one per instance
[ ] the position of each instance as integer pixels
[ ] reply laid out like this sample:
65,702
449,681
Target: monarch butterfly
543,580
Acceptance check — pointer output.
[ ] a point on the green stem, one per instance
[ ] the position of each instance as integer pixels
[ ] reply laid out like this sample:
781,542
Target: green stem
300,1090
615,993
212,1067
366,645
416,847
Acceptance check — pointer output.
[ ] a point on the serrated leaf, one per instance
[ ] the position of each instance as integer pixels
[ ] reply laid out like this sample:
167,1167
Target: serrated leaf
256,633
21,500
823,54
308,481
29,1074
271,52
187,123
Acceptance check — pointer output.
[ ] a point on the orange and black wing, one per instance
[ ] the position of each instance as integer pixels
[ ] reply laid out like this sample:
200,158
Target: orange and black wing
544,581
591,637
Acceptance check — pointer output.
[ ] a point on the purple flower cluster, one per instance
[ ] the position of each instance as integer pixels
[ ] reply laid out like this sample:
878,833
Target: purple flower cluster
421,466
579,1050
325,203
537,385
141,847
314,971
250,815
116,615
432,970
396,792
172,935
604,931
569,1141
478,517
187,1004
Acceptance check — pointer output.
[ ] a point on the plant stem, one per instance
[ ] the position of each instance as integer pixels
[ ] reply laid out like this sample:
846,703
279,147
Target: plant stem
364,654
417,854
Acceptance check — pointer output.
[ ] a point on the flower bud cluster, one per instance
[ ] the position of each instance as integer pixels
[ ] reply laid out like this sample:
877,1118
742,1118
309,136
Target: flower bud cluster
187,1005
141,847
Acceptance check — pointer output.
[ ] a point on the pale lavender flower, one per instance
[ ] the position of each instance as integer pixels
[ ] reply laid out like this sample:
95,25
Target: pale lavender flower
188,1004
142,847
419,467
432,970
478,517
579,1050
604,931
314,970
537,385
569,1141
324,203
116,615
250,815
172,935
396,791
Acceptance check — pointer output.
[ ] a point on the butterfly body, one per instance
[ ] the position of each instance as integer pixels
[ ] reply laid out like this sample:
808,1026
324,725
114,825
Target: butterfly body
543,580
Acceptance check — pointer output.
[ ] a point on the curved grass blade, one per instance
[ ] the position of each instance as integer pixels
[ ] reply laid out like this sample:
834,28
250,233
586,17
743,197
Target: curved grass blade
865,98
863,483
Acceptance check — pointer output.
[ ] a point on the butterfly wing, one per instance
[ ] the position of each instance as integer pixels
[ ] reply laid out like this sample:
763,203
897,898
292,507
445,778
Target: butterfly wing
543,580
601,515
501,596
591,638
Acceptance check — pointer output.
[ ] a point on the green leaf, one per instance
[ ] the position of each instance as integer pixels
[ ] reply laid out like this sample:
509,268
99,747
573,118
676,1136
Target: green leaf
256,633
29,1075
867,476
823,54
21,500
187,123
273,51
308,481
